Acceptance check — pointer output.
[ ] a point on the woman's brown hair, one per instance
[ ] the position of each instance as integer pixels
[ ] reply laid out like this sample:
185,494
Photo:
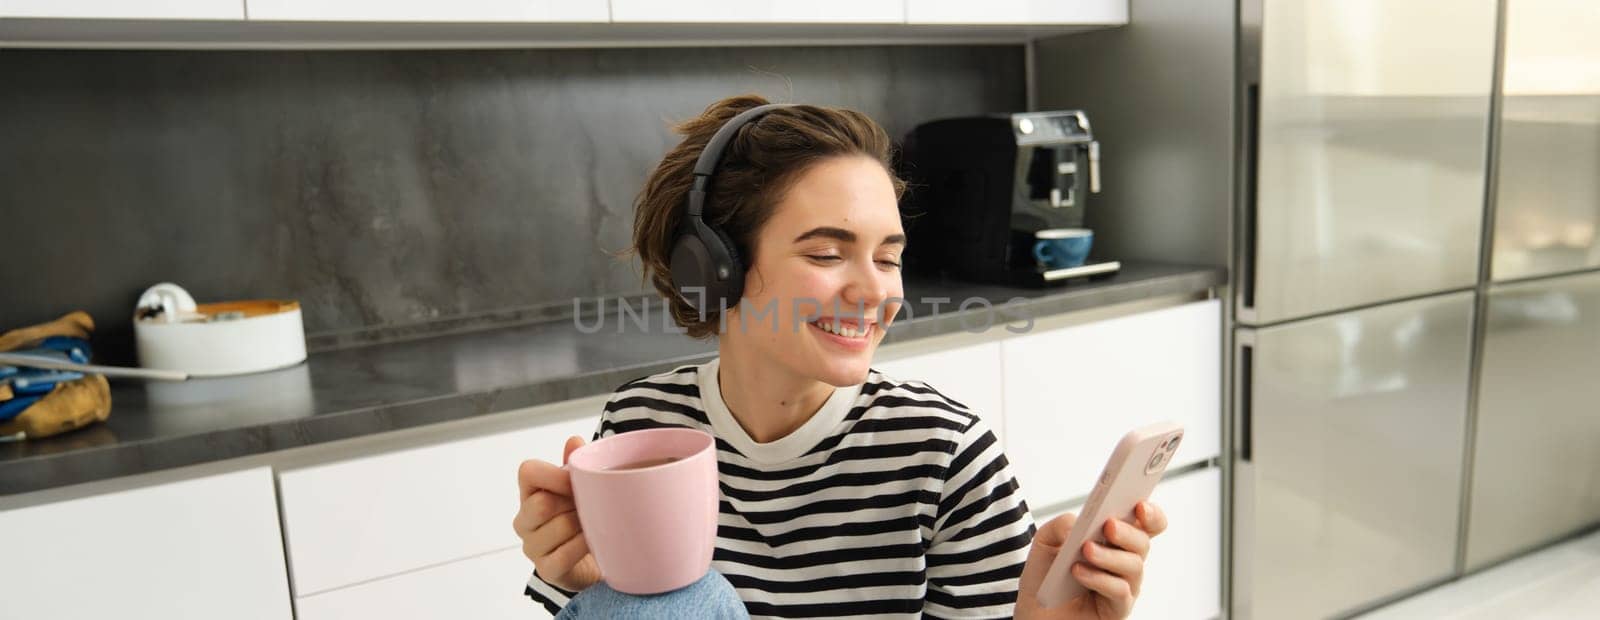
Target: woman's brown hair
758,166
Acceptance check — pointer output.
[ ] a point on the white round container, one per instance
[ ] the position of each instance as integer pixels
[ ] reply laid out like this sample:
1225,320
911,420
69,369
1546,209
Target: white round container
269,335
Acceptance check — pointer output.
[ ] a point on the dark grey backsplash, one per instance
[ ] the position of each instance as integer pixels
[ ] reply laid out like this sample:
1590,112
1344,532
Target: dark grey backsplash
384,189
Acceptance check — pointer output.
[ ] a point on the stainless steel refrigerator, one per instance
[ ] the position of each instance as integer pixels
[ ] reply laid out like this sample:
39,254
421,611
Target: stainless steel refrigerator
1363,150
1367,460
1535,477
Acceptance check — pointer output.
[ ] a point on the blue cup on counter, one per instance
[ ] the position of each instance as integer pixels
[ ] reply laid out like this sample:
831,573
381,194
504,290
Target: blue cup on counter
1061,248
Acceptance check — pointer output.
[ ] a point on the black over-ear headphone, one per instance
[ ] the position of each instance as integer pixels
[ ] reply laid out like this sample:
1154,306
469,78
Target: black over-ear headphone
703,256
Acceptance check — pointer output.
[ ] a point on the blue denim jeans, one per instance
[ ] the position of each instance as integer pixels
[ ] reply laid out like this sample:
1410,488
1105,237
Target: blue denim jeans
710,598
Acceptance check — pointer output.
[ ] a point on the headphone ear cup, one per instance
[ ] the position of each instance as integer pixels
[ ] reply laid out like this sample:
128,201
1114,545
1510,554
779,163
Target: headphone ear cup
694,265
724,293
691,266
735,285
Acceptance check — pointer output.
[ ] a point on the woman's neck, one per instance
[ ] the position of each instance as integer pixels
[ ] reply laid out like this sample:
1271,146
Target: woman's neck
767,400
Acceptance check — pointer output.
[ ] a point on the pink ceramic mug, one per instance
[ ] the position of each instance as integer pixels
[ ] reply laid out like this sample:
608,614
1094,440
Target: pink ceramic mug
648,501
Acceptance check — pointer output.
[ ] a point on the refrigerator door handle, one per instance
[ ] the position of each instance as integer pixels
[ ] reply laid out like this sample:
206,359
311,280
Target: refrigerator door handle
1244,398
1250,149
1242,589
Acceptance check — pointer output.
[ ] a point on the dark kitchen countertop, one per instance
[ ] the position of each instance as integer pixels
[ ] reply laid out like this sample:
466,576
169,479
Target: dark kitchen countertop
352,392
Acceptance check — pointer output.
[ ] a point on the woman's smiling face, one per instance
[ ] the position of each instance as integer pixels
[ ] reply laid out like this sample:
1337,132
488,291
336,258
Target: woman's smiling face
824,283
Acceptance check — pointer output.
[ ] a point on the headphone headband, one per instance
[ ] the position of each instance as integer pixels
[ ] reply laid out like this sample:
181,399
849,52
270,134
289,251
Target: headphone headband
706,166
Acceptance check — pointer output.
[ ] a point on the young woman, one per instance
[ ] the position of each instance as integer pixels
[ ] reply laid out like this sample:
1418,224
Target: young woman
845,492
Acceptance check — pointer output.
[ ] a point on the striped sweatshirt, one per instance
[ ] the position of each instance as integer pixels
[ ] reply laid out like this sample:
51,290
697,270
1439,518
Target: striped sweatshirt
892,501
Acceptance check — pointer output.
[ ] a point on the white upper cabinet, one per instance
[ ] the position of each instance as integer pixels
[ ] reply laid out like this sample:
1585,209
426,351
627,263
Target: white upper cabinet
124,9
951,12
760,11
430,11
413,24
1101,12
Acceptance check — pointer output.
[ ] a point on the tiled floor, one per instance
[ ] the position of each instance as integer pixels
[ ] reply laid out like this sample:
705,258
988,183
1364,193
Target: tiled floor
1560,582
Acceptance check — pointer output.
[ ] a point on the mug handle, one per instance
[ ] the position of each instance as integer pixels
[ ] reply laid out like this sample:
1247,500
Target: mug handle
1041,251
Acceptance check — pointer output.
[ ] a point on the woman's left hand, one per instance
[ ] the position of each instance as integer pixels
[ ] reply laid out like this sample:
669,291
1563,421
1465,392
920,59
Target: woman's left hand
1112,573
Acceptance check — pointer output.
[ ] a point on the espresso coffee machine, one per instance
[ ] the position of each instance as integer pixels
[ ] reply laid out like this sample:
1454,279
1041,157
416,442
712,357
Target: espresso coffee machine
985,191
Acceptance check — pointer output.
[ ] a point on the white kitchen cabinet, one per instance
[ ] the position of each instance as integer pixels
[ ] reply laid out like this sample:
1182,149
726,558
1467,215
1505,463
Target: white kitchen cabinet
428,11
970,375
759,11
1071,393
484,587
124,9
375,516
418,24
1100,12
200,548
1183,573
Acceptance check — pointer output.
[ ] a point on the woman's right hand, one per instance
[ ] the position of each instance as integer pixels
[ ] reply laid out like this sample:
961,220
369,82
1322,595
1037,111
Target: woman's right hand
548,525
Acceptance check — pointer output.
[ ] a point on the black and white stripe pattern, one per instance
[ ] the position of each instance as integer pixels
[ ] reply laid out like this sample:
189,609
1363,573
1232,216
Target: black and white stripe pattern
905,506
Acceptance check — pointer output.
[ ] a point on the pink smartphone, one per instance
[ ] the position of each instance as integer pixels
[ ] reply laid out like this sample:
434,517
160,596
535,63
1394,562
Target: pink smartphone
1130,475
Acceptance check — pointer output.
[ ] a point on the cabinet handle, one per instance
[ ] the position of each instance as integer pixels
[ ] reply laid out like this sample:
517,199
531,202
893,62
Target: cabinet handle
1245,396
1250,145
